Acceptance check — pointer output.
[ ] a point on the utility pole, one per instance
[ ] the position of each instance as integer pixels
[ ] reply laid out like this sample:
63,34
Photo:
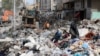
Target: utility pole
14,10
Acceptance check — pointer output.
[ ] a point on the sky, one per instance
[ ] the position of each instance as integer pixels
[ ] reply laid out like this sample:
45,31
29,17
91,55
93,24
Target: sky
29,2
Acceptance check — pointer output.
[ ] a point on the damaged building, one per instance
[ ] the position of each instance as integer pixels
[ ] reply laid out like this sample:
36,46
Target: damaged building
85,9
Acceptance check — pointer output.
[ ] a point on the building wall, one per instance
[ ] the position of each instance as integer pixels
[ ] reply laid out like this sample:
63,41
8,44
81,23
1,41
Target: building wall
59,4
77,5
68,8
37,1
53,4
0,3
83,6
95,5
95,9
91,8
80,4
64,1
45,5
48,4
38,5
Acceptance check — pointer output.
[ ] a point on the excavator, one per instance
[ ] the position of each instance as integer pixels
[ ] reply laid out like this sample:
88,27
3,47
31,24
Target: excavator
29,17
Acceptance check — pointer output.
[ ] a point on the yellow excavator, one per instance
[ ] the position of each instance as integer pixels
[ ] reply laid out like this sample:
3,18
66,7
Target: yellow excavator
29,17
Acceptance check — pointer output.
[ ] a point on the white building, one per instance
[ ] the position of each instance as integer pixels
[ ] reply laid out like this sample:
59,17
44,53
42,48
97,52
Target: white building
53,4
56,4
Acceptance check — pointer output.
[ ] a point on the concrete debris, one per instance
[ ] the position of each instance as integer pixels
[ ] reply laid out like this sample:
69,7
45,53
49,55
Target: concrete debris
37,42
7,39
83,32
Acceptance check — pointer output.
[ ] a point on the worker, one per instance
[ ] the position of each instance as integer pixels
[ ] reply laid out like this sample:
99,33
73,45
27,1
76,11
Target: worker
46,25
64,42
74,31
66,34
57,36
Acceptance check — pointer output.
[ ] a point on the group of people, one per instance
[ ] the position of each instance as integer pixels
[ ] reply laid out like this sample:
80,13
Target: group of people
66,38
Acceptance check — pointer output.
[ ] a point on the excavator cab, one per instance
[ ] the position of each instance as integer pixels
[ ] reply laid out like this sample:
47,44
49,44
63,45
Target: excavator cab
28,17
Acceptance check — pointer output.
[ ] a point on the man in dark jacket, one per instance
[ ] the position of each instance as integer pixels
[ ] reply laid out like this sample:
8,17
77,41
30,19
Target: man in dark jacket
56,36
74,30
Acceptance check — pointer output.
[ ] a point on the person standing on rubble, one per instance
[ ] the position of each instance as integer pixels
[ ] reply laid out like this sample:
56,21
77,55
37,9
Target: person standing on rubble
74,30
64,42
46,25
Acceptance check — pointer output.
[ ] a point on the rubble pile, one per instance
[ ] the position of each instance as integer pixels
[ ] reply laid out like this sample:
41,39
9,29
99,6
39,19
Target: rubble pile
29,42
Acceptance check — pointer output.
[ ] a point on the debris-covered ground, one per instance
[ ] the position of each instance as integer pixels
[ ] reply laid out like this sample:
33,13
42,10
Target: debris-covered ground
37,42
